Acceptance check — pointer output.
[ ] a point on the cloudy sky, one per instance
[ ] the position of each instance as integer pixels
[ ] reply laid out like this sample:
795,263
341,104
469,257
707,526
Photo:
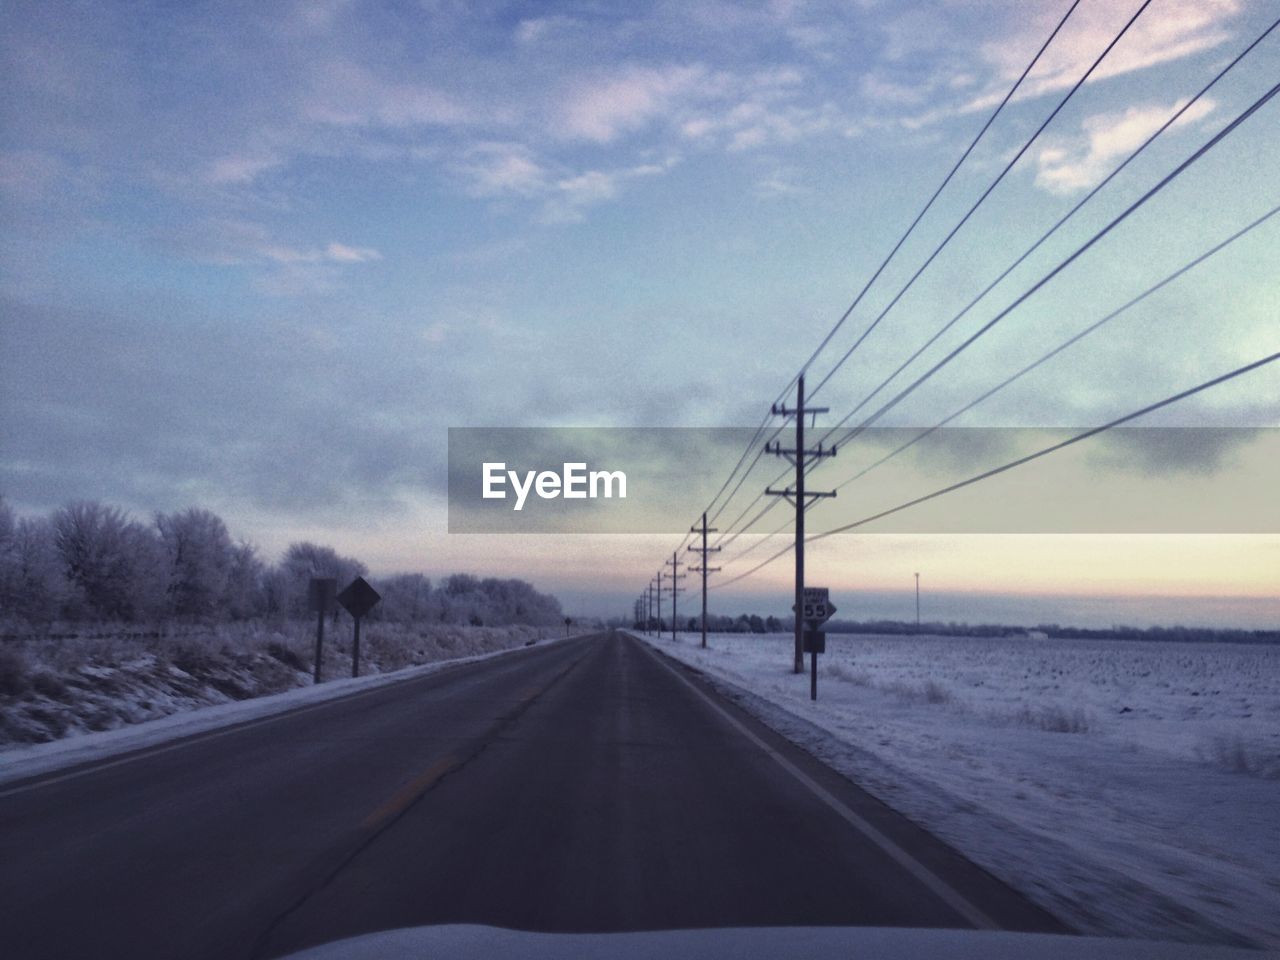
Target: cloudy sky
260,257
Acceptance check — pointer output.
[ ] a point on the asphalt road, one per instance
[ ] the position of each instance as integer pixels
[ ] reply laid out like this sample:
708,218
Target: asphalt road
588,785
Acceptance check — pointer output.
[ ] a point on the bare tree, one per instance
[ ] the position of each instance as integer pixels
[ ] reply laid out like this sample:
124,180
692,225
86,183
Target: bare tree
35,589
113,565
199,556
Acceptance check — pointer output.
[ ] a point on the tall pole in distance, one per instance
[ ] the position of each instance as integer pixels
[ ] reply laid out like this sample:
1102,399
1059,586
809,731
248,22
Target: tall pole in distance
917,603
800,501
704,569
675,563
657,627
799,498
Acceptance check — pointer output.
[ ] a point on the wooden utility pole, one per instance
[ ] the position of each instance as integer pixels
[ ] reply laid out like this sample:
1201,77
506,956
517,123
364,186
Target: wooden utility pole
799,497
675,563
703,568
657,627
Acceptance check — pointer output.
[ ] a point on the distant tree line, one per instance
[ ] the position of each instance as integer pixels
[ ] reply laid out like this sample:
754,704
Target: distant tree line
752,623
743,623
1055,632
90,561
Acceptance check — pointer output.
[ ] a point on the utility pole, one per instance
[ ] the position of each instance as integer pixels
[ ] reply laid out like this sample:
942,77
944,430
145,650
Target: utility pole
917,603
703,568
798,497
675,563
648,606
657,627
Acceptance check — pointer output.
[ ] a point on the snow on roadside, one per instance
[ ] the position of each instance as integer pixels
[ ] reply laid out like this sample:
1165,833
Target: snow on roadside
20,763
1132,788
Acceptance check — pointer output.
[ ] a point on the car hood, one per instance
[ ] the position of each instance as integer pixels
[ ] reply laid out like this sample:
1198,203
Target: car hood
465,942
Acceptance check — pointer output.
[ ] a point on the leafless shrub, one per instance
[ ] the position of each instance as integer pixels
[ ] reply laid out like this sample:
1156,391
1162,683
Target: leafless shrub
13,671
845,672
934,692
1234,754
1055,718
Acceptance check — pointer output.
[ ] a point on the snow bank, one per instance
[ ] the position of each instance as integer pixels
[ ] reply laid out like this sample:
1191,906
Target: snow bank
212,690
1132,788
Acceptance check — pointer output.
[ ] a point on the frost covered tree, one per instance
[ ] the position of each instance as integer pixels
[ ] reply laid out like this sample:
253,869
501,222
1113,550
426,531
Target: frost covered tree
199,555
245,594
114,566
8,552
406,598
301,562
34,586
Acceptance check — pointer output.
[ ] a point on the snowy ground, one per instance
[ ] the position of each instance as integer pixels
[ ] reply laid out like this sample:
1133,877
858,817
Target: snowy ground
188,719
57,684
1132,788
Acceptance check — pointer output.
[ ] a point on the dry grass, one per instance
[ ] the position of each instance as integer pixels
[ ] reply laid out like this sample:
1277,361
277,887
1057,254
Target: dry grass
54,682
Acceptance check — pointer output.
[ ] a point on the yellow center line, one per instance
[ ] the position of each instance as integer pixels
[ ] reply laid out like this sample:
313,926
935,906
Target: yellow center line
399,801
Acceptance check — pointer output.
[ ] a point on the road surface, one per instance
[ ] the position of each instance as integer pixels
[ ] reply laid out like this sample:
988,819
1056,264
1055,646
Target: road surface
587,785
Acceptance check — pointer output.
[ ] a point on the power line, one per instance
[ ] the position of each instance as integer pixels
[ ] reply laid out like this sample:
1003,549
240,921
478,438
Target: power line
1079,251
986,193
759,454
945,180
1052,448
1004,468
759,566
892,253
1069,342
1177,114
1065,263
762,538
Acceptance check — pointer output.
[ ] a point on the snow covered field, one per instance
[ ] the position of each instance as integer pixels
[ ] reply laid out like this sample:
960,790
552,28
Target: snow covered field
1133,788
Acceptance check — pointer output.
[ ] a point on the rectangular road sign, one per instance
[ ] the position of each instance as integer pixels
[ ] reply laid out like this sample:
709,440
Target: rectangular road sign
320,594
815,641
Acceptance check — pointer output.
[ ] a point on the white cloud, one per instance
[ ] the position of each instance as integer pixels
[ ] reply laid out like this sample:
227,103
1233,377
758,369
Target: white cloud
346,94
777,184
880,90
590,187
1168,31
333,253
242,242
1067,165
539,29
341,253
494,169
601,109
240,168
438,332
757,122
571,195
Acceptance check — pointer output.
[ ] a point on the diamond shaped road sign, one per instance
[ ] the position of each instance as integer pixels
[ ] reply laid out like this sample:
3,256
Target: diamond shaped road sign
358,597
818,607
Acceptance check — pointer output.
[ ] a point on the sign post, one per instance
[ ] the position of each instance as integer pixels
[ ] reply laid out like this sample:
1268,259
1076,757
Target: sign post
359,598
817,609
320,595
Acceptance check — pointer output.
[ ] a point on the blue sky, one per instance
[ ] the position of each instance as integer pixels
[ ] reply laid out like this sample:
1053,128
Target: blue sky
259,257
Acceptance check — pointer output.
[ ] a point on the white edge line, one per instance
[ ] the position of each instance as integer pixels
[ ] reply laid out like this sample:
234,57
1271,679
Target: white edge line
919,871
